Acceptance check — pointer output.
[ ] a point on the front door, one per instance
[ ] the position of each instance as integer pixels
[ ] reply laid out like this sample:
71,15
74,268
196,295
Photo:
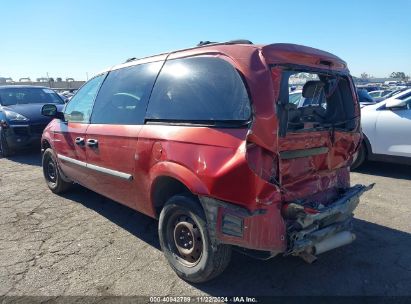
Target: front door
69,135
393,131
112,137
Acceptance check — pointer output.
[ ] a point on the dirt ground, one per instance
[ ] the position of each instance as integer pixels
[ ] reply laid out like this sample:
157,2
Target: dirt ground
84,244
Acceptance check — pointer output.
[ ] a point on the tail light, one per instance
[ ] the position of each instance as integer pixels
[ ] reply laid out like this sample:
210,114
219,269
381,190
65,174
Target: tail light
262,162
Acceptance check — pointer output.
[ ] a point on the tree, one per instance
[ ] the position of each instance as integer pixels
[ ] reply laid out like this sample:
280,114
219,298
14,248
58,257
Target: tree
399,75
365,76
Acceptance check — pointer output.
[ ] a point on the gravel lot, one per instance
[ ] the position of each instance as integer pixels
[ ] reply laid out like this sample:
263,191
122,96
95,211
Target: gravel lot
84,244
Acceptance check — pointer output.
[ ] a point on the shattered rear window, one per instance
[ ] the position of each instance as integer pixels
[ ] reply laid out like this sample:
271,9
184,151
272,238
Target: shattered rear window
316,101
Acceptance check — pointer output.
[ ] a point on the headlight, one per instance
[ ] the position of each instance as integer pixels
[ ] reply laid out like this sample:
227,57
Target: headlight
13,116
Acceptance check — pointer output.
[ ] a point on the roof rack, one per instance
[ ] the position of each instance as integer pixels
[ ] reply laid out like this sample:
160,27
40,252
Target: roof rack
130,59
237,41
200,44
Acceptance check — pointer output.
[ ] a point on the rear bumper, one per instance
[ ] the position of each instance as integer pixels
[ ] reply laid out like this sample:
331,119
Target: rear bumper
267,229
22,136
325,228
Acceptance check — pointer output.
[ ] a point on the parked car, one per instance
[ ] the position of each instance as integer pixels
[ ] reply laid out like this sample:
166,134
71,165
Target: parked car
386,127
65,97
205,140
369,88
21,122
379,93
295,97
394,92
365,98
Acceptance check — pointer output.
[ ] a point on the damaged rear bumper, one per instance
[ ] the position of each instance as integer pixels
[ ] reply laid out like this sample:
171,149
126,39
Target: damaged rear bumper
314,231
298,231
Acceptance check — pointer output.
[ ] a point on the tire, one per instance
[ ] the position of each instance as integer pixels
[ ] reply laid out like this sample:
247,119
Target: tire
5,151
360,157
52,173
182,220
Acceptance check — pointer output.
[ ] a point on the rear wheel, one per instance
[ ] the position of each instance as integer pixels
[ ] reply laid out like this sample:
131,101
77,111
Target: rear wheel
5,151
359,157
52,173
186,243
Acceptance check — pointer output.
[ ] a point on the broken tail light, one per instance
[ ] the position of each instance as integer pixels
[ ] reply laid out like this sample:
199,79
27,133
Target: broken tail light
262,162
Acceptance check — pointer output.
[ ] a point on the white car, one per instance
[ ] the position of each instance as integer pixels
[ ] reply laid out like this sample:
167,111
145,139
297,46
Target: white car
379,93
387,131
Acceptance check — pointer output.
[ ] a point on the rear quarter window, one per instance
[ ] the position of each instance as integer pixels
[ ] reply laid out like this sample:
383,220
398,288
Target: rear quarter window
199,89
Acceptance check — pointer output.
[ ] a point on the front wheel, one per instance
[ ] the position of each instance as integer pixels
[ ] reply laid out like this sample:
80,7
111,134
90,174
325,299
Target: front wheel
52,173
186,243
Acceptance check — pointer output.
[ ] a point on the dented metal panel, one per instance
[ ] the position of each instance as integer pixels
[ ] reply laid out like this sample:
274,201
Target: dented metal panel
316,230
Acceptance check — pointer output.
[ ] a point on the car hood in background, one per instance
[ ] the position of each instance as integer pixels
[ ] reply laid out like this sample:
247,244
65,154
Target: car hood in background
373,107
32,111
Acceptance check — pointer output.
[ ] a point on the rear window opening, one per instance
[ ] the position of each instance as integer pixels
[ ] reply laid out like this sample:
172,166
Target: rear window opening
315,101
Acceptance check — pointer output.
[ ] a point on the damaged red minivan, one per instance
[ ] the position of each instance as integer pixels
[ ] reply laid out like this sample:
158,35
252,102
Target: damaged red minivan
208,141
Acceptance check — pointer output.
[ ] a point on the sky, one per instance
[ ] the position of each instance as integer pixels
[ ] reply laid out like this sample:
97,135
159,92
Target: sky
78,38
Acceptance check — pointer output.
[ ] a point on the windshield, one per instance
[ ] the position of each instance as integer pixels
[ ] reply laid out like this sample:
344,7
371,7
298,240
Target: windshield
13,96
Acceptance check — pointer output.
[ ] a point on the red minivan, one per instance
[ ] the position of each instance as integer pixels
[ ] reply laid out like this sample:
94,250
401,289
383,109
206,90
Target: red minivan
208,141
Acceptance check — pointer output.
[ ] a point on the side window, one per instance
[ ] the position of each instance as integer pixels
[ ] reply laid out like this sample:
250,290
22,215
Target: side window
124,94
199,89
80,106
405,96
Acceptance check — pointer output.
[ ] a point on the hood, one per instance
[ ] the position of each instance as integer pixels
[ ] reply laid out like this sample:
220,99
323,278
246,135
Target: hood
374,106
31,111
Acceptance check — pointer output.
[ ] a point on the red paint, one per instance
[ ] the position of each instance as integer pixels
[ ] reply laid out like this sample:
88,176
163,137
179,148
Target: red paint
213,162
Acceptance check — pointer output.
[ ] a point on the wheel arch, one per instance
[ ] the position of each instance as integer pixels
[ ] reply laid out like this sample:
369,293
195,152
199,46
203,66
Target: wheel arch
169,179
45,144
368,148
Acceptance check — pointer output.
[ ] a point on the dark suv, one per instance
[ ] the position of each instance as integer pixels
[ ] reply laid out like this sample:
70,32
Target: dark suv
205,140
21,122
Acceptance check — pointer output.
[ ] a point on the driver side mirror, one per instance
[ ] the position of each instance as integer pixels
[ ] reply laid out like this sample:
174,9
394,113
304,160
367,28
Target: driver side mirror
50,110
395,103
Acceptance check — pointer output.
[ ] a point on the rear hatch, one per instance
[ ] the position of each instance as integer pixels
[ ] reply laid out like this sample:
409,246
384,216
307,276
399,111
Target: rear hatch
318,132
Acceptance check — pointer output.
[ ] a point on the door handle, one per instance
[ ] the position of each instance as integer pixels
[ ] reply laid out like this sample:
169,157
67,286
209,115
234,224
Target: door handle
92,143
79,141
